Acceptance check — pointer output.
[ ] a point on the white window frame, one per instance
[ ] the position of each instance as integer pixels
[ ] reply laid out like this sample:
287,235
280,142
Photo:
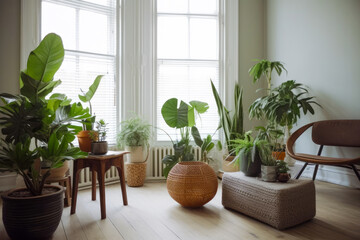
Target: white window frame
138,53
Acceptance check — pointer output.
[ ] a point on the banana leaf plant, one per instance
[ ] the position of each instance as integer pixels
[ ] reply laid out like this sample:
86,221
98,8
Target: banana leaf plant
232,126
182,116
33,117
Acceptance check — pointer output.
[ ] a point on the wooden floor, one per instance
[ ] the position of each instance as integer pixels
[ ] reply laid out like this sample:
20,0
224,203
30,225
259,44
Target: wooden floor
152,214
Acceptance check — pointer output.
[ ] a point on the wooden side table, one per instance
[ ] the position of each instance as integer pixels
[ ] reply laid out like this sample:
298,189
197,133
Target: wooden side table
99,164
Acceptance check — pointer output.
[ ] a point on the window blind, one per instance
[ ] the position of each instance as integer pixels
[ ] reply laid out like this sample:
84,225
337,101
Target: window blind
88,30
187,58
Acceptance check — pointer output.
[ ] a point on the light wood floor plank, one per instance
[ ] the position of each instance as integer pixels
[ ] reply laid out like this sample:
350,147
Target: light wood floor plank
152,214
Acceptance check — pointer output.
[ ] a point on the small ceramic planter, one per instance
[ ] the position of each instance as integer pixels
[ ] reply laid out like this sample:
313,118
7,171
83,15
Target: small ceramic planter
99,148
268,173
284,177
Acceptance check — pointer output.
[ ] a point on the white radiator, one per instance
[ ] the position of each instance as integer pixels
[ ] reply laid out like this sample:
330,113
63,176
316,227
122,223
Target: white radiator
154,169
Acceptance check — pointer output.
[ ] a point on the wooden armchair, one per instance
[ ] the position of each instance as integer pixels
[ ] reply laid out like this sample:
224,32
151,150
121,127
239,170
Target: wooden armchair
342,133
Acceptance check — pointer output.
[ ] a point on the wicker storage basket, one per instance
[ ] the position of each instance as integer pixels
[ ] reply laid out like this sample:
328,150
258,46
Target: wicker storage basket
135,174
192,184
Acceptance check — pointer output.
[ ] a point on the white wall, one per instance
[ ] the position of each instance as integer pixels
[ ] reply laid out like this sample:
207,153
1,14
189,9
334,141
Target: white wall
9,45
251,46
319,41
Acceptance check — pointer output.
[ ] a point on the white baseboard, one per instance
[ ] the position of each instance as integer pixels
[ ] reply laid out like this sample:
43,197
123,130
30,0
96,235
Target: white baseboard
337,175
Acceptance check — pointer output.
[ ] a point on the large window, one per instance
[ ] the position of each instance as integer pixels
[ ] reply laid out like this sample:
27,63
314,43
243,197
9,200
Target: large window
188,56
88,31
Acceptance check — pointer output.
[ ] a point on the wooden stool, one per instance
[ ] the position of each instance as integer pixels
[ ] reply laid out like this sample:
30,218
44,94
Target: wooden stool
66,183
99,164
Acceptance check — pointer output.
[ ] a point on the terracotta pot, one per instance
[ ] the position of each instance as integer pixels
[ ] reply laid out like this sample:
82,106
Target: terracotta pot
192,184
35,217
135,174
283,177
84,141
278,155
99,148
227,166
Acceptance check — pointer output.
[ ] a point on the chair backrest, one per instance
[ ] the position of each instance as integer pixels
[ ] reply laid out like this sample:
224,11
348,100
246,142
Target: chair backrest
344,133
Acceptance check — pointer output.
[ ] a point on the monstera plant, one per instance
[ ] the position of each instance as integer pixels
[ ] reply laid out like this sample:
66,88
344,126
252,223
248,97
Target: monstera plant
37,125
182,117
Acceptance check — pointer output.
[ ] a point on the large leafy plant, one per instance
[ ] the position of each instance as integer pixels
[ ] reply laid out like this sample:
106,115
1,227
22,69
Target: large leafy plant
233,126
182,116
284,104
33,117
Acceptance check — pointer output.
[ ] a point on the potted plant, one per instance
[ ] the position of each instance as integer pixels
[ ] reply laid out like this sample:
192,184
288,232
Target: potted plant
98,145
283,107
264,68
268,164
249,153
232,125
273,135
282,171
88,123
135,135
190,183
34,212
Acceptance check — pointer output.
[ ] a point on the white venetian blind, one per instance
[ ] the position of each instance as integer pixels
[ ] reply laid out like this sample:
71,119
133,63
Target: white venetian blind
88,31
187,58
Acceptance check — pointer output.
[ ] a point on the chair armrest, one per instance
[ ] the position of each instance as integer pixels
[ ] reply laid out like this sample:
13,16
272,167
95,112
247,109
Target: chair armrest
290,142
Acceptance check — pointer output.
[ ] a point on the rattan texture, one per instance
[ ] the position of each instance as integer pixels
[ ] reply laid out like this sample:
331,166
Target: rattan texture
135,174
280,205
192,184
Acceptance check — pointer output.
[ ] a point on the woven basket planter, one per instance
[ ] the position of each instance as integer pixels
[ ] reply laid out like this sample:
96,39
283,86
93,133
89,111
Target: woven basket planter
192,184
135,174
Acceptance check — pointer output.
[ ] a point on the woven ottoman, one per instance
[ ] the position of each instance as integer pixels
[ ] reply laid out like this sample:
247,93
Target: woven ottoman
280,205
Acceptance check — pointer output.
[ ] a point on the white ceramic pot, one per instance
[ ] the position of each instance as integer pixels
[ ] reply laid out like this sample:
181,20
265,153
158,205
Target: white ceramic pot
137,154
268,173
7,181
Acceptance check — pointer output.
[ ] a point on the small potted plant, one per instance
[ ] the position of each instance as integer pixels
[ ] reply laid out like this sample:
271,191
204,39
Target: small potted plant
98,145
135,135
268,166
273,135
249,153
88,123
282,169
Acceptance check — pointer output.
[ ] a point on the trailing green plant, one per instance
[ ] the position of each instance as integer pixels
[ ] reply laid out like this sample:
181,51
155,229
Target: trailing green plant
284,104
233,126
88,124
282,166
32,117
264,68
182,117
134,132
249,147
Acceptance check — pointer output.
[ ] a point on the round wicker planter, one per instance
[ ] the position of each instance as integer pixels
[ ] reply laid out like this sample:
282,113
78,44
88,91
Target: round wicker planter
135,174
34,217
192,184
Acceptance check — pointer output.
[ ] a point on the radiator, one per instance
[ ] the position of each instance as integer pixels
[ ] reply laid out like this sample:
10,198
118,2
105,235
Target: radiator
154,169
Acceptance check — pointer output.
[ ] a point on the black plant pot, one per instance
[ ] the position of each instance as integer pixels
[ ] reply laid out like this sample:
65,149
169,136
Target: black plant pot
35,217
250,168
99,148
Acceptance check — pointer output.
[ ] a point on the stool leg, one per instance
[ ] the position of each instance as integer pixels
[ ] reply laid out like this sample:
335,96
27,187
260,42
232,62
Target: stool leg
75,188
68,192
315,171
93,184
101,179
122,184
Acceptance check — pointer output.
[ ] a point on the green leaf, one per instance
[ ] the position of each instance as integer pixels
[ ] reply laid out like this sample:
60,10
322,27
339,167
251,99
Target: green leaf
46,59
196,135
173,116
200,107
86,97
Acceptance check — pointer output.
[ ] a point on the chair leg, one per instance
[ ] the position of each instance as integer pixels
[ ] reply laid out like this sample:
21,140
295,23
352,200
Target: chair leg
301,171
356,171
315,171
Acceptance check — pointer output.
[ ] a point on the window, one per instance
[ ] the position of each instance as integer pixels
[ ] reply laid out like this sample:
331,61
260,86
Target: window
88,31
188,56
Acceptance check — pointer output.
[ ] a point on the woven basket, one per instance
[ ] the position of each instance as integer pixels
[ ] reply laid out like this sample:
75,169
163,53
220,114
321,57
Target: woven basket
192,184
135,174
